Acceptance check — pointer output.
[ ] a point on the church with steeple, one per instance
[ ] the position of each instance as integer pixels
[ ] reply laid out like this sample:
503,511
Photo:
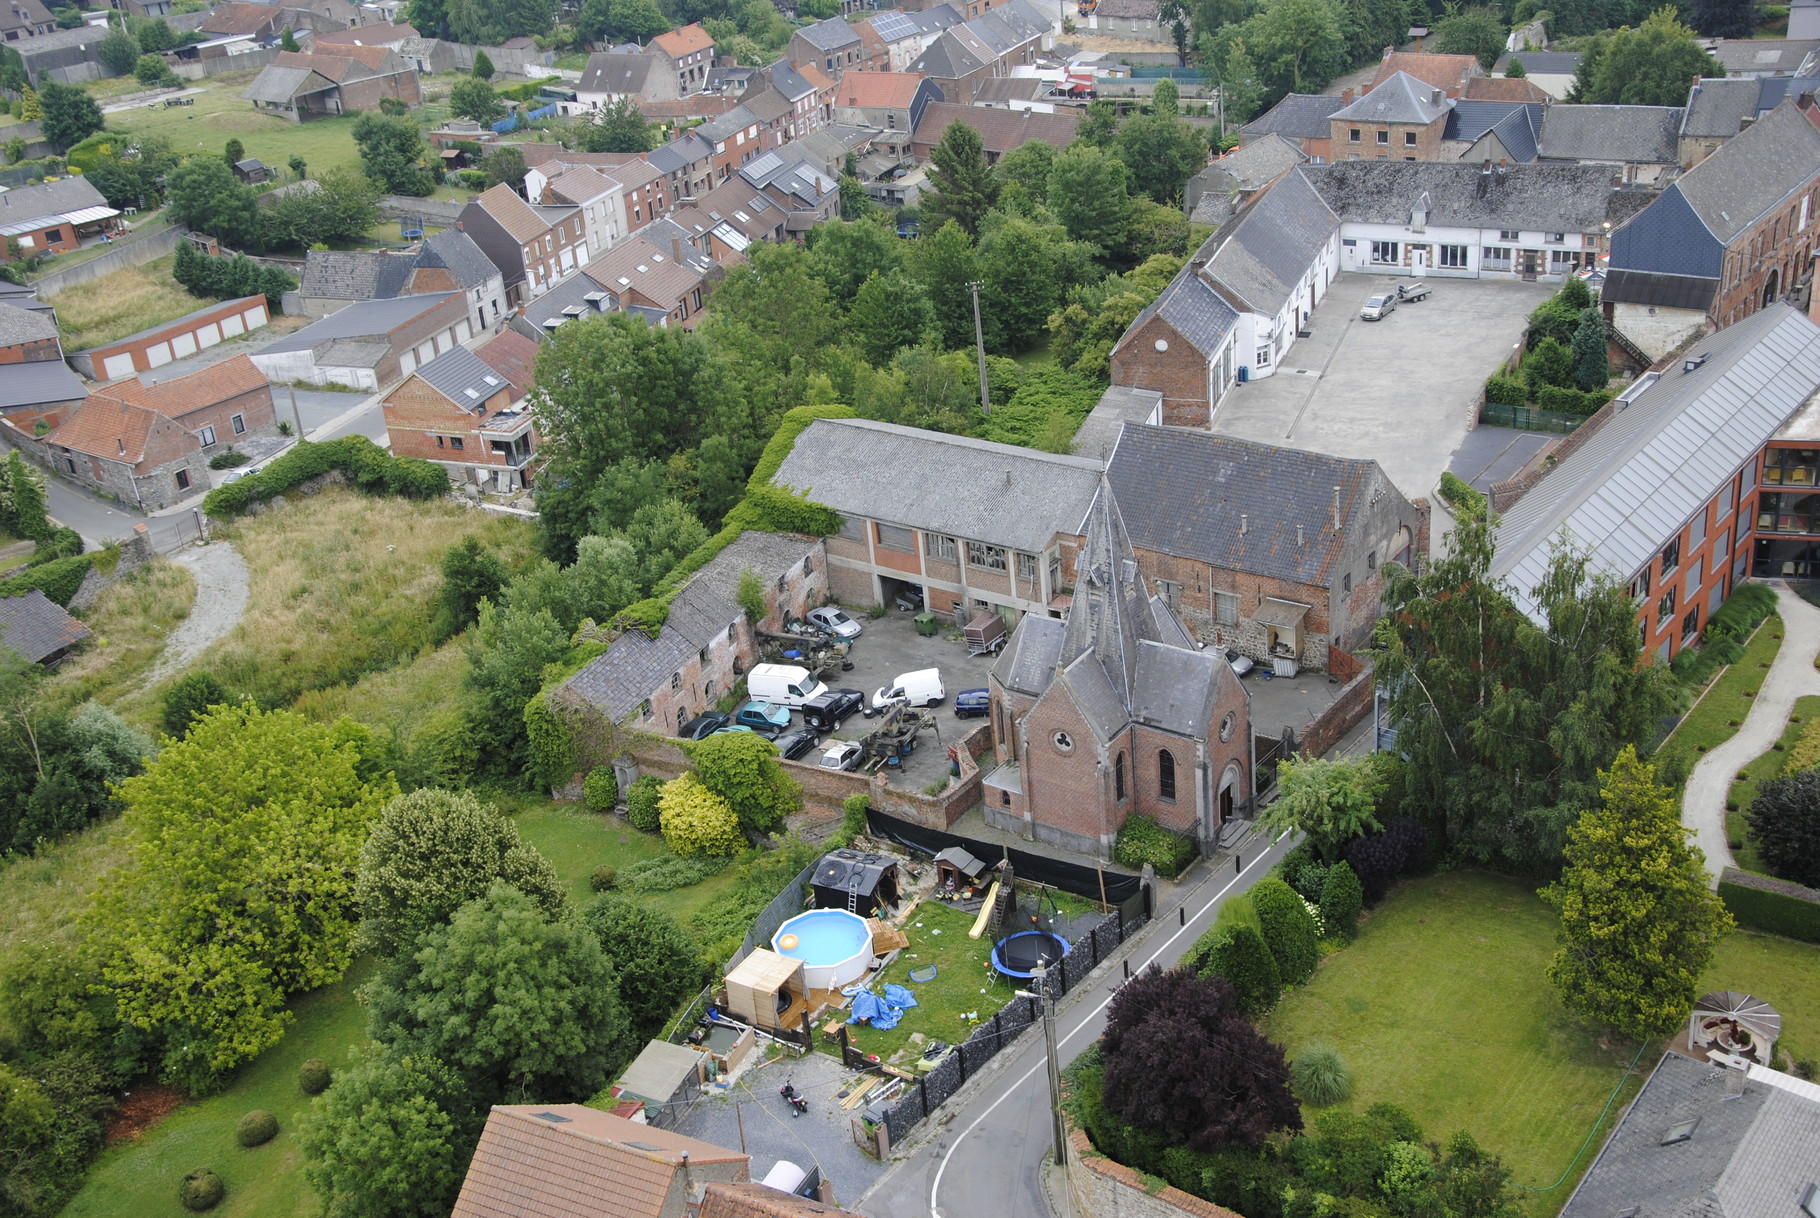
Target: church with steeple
1112,710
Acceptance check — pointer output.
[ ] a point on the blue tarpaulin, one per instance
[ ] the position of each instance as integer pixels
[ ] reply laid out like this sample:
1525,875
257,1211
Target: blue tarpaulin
881,1013
898,996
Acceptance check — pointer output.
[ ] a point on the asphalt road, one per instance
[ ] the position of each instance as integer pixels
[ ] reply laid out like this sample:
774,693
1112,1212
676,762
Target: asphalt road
987,1162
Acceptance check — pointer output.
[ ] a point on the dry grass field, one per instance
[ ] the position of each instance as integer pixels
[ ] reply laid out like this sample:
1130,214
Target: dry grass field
122,303
131,621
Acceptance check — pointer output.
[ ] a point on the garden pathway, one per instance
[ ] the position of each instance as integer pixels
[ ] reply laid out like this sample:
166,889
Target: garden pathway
1791,676
221,595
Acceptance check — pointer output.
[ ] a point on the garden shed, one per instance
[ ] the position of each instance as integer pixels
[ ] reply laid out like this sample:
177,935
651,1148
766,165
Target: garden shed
763,986
955,867
1730,1022
855,880
665,1077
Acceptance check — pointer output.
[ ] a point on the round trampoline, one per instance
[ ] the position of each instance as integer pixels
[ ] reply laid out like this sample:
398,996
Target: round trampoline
1018,955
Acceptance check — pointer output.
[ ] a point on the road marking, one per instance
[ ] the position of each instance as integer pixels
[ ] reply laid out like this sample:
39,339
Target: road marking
935,1186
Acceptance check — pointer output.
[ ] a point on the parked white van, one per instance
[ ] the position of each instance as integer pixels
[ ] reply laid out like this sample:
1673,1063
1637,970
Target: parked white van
920,688
784,684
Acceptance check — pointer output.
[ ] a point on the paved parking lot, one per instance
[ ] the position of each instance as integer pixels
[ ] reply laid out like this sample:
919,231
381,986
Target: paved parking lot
1401,390
889,646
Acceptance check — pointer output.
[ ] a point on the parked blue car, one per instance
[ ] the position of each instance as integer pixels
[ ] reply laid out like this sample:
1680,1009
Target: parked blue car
766,718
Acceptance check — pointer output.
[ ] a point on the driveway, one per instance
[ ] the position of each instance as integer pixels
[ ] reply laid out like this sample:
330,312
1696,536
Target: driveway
1401,391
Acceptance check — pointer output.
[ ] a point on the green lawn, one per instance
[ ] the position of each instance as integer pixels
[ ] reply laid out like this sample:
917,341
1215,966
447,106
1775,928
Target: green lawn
965,985
577,841
140,1178
1716,717
1441,1007
220,114
1769,765
1783,973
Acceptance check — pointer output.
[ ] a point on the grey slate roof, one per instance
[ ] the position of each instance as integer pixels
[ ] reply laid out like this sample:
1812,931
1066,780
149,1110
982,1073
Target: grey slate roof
1664,456
1762,56
682,151
1719,106
355,274
1468,120
362,319
1198,313
788,81
455,252
830,35
1747,176
38,382
1256,163
1611,134
618,680
1401,98
1030,655
1261,254
49,199
1235,503
461,376
725,126
610,73
1299,116
570,292
1120,404
1574,198
277,84
36,627
19,325
1018,497
1543,63
1751,1155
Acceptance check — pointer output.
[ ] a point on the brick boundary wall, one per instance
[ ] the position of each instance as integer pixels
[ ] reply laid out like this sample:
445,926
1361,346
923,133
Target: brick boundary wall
1346,713
1102,1188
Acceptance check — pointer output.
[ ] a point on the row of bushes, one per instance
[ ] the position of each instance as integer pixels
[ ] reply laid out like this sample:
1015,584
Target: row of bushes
366,465
1770,909
1562,399
1143,841
1461,496
59,578
1743,611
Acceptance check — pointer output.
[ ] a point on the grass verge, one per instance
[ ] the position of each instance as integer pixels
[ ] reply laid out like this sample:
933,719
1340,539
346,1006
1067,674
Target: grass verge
343,585
122,302
141,1177
1744,789
1441,1007
1715,718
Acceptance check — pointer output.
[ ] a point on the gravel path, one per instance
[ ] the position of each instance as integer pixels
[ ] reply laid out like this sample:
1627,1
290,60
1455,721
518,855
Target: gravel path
1791,676
221,595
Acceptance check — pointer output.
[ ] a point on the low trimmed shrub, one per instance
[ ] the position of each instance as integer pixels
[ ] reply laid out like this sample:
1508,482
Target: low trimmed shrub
256,1128
228,458
600,789
1342,897
1320,1076
314,1076
1766,909
1242,957
201,1190
1460,494
603,878
1566,400
641,803
671,871
1143,841
1506,391
1290,931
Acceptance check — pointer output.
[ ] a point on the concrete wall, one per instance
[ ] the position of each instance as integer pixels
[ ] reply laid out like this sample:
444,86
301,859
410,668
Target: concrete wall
135,252
202,69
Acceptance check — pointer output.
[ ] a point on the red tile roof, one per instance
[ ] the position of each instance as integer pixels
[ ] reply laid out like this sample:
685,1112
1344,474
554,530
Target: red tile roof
106,427
237,17
893,89
757,1201
180,395
1502,89
368,35
1446,72
685,41
513,356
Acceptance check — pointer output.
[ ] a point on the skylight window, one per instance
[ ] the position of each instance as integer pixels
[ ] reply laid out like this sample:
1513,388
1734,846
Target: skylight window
551,1117
626,283
1681,1131
471,393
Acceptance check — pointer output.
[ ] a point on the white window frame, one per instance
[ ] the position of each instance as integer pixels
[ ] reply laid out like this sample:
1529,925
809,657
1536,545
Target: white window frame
206,435
1386,253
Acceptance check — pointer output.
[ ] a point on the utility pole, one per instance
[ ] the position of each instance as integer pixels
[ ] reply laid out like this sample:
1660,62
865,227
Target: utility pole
295,413
1046,999
979,344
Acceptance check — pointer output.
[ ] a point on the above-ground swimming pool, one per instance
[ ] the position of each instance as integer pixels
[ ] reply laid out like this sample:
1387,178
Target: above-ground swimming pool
1017,955
834,946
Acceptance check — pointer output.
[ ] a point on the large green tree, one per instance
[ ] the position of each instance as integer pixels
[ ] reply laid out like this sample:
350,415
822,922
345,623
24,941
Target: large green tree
1087,191
491,22
521,1006
742,768
965,188
616,127
1161,152
203,194
1652,65
342,207
506,659
1331,802
1029,165
891,312
610,21
1638,919
1784,822
843,255
1300,43
430,853
945,262
474,98
240,888
1722,18
390,1139
1506,721
392,154
70,114
656,960
1474,31
1023,284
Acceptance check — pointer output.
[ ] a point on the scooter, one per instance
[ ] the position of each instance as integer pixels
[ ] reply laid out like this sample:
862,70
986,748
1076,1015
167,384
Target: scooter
792,1098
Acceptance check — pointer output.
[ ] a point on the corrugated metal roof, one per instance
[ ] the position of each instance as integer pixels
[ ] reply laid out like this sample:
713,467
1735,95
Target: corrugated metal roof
1666,454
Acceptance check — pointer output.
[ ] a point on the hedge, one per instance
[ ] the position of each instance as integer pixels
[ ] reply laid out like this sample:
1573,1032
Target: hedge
1142,841
366,465
59,579
1571,401
1461,494
1506,391
1761,904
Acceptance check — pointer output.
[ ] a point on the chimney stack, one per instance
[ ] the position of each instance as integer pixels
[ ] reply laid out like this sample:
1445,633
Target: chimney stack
1346,97
1298,537
1336,508
1244,523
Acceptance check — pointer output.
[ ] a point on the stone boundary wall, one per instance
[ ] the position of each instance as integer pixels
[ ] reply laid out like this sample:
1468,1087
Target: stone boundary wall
1346,712
1102,1188
135,552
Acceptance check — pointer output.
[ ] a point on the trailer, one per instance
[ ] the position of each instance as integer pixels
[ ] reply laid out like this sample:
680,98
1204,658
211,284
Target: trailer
985,634
1413,293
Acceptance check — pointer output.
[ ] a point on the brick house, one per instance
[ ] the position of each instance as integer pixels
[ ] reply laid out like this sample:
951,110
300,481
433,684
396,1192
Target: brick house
27,19
51,217
1641,142
1274,551
1000,130
706,643
1401,119
570,1161
644,189
533,245
613,75
1729,237
346,80
1695,478
687,53
737,136
833,45
1448,73
1112,711
687,163
893,40
891,102
1304,119
961,57
657,268
1006,544
370,344
130,452
219,404
33,376
600,198
459,411
447,262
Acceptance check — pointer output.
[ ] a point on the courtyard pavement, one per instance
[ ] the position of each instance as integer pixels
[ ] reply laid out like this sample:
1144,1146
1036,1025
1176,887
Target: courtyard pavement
1402,391
1792,676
